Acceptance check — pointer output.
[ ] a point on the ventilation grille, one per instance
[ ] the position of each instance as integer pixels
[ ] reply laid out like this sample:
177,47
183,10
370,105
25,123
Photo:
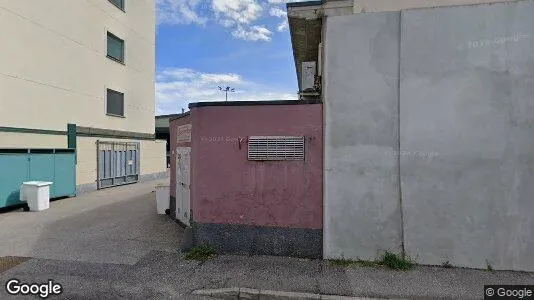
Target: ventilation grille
276,148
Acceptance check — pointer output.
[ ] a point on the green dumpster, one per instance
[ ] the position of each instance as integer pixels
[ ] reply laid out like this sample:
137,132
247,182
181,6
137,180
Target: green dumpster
20,165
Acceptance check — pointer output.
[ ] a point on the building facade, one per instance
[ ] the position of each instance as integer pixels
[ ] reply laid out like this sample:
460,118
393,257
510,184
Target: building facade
246,176
90,64
427,121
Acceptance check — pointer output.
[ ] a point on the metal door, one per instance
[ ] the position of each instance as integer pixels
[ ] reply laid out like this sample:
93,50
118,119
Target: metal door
118,163
183,205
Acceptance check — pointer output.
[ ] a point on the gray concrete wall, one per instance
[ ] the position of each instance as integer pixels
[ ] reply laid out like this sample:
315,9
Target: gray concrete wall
466,149
361,200
467,109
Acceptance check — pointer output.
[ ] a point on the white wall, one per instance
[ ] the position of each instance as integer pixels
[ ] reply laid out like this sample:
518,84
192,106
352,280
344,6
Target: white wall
31,140
54,70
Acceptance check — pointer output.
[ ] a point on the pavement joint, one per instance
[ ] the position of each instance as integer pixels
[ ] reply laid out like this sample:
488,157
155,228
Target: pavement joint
260,294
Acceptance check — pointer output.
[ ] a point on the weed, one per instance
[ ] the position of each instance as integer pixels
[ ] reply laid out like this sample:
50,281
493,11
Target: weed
201,253
446,264
348,262
342,262
389,260
368,263
395,262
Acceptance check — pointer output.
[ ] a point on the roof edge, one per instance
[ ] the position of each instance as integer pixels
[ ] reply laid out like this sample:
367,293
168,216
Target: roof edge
254,103
305,3
179,116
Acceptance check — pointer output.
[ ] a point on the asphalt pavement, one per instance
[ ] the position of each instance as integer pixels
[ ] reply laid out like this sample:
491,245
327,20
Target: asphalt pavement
111,244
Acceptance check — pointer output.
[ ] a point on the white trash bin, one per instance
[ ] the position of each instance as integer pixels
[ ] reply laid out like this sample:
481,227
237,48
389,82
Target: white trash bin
37,194
162,198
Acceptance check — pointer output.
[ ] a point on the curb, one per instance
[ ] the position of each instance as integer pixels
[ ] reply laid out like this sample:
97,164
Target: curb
257,294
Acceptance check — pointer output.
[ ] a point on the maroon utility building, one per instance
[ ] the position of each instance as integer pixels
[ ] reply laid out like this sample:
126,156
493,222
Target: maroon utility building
246,177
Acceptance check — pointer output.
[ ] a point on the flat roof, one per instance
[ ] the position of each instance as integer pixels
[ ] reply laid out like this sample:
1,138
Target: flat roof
254,103
178,116
167,116
306,3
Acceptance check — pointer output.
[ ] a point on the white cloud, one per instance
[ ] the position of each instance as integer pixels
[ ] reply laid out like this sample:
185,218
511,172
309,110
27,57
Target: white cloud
176,88
240,17
283,1
254,33
179,12
283,26
239,11
277,12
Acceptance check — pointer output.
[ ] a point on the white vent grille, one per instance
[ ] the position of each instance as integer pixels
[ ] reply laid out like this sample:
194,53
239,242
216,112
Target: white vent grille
276,148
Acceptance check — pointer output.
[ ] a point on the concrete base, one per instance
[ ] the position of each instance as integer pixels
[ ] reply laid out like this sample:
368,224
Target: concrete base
172,207
85,188
259,240
154,176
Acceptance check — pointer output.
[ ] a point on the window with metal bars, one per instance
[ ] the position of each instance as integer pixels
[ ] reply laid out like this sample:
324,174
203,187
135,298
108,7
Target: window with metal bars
269,148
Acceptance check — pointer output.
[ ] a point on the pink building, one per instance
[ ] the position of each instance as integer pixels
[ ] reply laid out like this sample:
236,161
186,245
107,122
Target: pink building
252,182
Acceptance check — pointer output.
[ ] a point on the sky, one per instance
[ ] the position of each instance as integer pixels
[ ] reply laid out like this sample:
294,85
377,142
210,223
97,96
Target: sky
203,44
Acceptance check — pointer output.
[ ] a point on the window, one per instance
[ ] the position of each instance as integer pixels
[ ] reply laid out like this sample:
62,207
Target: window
276,148
115,48
115,103
118,3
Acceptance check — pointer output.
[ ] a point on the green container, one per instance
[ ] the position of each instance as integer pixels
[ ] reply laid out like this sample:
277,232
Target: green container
21,165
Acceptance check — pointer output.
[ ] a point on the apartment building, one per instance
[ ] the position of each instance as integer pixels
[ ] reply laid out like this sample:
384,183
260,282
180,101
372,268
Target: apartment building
80,74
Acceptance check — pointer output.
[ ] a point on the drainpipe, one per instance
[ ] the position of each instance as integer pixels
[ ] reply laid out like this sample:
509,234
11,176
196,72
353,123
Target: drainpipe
71,139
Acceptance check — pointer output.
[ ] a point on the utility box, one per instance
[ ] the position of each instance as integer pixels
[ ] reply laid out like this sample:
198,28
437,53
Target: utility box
162,198
309,70
37,194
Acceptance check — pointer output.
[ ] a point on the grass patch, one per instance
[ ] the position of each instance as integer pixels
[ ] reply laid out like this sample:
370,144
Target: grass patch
389,260
396,262
446,264
358,263
342,262
8,262
368,263
201,253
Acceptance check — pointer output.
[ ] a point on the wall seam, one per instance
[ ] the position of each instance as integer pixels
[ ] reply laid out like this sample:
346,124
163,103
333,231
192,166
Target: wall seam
403,248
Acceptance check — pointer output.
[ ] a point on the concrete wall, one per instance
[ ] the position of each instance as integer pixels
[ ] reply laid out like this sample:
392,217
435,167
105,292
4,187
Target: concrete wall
397,5
465,149
361,200
152,158
54,70
467,117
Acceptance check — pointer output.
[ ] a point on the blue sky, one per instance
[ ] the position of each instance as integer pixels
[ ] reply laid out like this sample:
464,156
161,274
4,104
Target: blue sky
201,44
